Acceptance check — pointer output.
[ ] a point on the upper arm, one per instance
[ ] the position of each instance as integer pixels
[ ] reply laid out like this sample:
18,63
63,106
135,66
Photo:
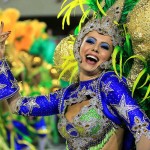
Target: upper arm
37,105
120,99
34,106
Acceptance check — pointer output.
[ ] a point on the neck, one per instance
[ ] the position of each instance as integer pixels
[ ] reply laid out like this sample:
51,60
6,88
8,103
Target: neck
88,76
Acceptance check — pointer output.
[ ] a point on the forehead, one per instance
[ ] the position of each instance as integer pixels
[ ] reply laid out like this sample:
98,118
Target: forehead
99,37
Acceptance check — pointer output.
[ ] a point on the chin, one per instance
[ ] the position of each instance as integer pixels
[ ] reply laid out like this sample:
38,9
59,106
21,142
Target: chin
92,71
90,68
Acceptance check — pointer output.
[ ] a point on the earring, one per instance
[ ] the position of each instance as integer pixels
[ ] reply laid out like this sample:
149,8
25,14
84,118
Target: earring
106,65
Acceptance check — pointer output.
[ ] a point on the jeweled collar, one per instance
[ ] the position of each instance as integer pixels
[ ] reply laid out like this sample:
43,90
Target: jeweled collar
89,82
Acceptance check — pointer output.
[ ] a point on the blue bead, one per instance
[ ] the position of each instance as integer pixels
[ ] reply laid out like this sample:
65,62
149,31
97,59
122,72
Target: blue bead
74,133
68,127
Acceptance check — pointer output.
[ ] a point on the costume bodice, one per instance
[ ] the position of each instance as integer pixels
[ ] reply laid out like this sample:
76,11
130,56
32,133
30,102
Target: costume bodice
111,105
90,126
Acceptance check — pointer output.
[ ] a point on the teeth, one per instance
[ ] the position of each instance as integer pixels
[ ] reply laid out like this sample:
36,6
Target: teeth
92,57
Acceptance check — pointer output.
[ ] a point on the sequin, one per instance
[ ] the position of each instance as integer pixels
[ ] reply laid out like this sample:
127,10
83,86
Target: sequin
31,103
124,108
106,88
2,86
3,69
140,128
139,28
8,84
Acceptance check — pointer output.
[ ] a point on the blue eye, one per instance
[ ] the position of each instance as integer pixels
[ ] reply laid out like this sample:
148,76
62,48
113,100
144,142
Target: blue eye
105,46
90,40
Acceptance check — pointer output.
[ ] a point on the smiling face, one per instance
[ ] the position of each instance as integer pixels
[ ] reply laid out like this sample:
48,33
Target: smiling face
95,49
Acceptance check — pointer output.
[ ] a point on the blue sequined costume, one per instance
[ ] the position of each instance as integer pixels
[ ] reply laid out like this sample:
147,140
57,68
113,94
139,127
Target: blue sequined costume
111,106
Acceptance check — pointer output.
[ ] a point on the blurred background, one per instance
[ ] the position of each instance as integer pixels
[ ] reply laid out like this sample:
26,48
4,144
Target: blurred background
35,33
45,10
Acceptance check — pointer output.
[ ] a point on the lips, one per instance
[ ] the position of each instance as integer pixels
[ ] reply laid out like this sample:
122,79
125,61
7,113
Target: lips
91,59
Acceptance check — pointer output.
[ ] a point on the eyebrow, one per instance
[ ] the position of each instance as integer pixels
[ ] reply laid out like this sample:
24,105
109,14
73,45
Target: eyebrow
92,37
96,40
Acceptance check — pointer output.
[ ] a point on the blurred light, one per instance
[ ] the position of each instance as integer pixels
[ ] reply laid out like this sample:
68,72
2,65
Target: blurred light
5,1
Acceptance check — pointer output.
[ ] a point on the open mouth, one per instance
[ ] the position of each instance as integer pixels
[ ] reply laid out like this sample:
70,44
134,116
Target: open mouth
91,59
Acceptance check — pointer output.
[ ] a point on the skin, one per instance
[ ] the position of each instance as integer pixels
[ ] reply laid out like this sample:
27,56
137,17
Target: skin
100,47
88,70
9,118
96,45
3,38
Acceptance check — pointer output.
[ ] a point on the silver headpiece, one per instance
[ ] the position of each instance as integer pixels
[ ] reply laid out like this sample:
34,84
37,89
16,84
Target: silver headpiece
107,25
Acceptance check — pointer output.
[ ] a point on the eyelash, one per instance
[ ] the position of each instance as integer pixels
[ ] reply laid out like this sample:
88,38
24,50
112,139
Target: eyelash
90,41
105,46
102,45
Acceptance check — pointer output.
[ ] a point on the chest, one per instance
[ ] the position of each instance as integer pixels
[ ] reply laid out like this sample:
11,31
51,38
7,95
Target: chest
84,123
75,109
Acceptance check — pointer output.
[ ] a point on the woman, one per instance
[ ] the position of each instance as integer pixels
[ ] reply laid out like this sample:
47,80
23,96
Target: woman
94,112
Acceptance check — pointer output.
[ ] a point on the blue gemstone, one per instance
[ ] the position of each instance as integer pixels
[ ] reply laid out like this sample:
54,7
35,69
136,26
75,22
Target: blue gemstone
74,133
69,126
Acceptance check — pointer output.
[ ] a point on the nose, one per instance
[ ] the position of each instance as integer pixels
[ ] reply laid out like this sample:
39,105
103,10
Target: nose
95,50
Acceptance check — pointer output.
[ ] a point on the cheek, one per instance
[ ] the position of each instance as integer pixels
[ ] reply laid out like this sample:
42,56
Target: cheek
105,56
83,50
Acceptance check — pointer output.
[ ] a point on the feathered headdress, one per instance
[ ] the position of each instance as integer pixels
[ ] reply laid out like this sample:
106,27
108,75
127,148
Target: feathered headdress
139,76
135,22
108,16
